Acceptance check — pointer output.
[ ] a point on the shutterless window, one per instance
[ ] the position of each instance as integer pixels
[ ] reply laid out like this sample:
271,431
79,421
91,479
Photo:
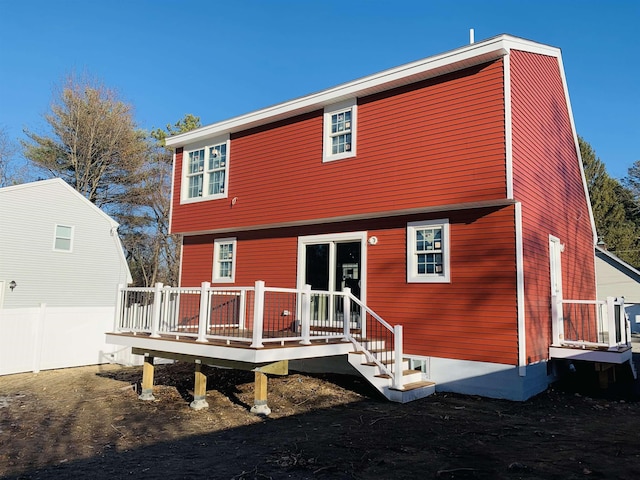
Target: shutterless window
63,238
224,251
206,172
428,251
340,130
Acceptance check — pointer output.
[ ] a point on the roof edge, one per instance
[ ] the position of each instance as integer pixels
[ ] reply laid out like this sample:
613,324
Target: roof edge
430,67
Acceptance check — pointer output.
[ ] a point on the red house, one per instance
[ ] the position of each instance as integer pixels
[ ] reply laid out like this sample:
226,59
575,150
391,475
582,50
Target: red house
448,196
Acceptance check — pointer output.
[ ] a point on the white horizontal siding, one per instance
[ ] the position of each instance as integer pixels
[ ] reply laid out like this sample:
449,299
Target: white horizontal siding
87,276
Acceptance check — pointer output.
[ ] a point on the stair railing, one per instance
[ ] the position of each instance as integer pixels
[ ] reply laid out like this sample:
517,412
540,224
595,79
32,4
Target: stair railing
389,332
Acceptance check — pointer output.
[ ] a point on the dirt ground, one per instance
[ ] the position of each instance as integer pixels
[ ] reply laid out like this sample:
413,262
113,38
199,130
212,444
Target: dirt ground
88,423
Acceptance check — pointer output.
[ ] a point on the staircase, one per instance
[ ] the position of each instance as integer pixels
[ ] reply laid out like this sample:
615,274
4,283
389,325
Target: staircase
377,364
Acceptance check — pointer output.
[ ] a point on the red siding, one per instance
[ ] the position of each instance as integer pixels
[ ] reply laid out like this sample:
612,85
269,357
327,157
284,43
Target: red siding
547,180
471,318
435,142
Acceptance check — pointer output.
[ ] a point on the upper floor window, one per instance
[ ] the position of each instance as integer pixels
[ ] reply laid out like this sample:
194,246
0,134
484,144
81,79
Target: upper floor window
63,238
206,171
224,264
340,130
428,251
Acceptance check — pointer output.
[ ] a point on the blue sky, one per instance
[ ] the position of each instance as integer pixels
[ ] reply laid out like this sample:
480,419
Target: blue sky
219,59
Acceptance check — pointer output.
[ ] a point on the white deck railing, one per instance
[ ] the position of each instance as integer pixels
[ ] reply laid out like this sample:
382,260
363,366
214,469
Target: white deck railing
590,323
258,315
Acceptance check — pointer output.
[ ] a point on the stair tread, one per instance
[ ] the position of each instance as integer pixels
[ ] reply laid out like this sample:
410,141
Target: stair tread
415,385
404,372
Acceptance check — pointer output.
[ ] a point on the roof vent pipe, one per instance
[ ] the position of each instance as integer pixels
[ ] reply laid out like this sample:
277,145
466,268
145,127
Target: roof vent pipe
471,39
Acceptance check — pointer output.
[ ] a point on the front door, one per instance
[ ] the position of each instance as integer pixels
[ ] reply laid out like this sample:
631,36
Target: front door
329,263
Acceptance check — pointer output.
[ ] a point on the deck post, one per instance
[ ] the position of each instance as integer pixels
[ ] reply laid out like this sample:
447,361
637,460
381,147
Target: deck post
147,379
199,389
260,395
203,315
397,361
258,314
611,322
305,315
155,311
557,323
346,314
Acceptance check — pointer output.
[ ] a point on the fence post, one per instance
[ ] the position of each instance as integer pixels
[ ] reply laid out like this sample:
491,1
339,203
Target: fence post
258,314
397,348
557,322
117,317
203,314
346,314
155,312
611,321
305,314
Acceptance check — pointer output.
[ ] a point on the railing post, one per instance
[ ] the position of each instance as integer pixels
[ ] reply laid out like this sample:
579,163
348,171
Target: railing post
611,321
557,320
398,354
243,309
155,312
625,325
305,315
346,315
117,318
203,316
258,314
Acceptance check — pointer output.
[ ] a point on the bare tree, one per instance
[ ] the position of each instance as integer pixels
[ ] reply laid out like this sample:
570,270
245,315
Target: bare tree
154,254
7,151
94,145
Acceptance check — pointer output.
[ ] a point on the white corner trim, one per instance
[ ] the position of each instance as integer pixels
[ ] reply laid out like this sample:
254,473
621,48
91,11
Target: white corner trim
508,126
520,292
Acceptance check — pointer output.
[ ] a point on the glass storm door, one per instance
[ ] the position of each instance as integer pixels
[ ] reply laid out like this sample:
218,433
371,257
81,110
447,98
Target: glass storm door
331,266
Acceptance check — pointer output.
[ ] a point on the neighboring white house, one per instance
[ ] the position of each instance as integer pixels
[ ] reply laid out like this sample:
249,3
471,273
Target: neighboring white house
614,278
58,248
61,261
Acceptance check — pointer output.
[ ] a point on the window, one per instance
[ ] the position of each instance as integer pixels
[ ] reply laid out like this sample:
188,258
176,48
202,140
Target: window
63,238
340,130
206,171
428,251
224,264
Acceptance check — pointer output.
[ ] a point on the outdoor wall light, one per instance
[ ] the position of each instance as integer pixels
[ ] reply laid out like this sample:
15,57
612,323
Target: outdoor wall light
12,285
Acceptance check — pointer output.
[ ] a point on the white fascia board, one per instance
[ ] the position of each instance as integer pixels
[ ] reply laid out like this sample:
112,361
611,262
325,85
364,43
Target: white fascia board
617,260
430,67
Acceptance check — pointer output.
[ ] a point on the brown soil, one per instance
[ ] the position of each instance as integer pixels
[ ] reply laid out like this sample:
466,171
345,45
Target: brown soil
88,423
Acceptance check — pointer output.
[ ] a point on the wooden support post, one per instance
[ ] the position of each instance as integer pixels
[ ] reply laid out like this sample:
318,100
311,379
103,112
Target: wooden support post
199,389
147,379
260,391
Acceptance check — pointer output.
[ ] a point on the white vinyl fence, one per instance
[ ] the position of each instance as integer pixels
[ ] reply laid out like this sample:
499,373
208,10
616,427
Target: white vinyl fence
43,338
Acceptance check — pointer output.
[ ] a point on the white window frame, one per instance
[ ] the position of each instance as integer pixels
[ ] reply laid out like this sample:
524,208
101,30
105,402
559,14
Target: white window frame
217,263
412,254
329,112
208,147
56,237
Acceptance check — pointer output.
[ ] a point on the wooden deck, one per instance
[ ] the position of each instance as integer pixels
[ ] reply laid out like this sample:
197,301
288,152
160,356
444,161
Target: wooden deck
217,350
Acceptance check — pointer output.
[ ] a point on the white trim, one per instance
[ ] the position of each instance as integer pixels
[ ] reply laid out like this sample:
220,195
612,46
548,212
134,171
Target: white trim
520,292
360,216
434,66
508,127
332,239
412,275
555,260
216,278
56,237
173,190
205,146
348,105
